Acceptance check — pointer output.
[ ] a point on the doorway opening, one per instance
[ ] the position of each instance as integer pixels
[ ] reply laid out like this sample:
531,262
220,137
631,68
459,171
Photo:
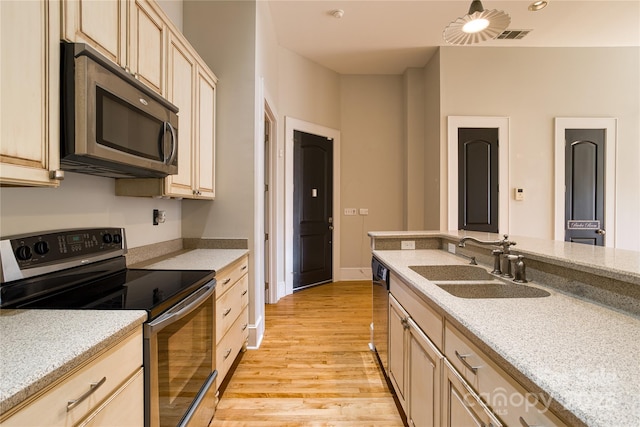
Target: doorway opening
585,180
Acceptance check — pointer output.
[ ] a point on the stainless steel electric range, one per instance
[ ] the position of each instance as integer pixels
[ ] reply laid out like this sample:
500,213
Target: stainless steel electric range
85,269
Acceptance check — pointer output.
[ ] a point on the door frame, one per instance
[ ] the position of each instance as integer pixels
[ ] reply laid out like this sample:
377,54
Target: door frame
270,223
290,125
502,123
611,136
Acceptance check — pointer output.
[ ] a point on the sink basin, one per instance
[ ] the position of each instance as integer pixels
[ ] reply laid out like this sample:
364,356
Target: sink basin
441,273
492,290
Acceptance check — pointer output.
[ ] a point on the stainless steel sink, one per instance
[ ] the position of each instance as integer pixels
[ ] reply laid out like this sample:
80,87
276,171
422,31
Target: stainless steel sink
441,273
493,289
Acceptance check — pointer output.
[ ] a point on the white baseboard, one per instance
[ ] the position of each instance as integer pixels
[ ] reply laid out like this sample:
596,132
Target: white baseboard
353,274
256,333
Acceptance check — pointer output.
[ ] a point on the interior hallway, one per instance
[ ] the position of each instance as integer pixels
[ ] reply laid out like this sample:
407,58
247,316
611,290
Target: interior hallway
314,366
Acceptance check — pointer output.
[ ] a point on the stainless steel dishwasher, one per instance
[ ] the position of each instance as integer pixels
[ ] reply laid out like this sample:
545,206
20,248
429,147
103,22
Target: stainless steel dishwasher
380,315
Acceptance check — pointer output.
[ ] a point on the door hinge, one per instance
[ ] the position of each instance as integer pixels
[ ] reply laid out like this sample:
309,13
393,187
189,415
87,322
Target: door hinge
266,188
266,236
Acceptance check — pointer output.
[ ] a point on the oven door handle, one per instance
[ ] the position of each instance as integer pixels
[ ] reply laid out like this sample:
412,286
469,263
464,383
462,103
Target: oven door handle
187,306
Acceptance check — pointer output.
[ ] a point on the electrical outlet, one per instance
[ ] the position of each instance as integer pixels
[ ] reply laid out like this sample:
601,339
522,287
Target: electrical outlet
364,211
451,248
349,211
159,216
408,244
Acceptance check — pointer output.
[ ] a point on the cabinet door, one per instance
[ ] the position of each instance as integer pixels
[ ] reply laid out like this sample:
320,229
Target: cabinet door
147,56
425,378
29,84
100,24
181,92
461,406
205,136
397,348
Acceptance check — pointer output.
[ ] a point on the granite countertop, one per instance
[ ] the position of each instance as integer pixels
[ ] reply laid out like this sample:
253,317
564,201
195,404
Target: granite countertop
584,355
618,264
37,347
196,259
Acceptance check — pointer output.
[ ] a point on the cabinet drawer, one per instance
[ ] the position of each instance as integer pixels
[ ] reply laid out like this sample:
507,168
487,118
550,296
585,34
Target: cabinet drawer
124,409
426,317
504,395
226,277
230,305
115,366
231,344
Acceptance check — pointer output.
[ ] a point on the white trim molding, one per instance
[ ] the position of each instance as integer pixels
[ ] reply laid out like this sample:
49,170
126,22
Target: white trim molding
502,123
610,125
290,125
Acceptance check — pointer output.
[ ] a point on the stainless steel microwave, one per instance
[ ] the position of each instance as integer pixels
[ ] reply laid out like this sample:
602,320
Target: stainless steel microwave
111,124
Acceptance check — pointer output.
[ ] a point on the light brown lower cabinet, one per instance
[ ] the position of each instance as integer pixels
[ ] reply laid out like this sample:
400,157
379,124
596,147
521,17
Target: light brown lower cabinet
232,314
107,391
461,406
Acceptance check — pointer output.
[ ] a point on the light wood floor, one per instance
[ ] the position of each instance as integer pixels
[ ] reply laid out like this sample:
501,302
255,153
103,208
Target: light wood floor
313,368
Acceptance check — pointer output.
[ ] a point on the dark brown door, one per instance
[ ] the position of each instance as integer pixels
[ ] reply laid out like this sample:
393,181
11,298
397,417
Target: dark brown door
584,181
312,209
478,179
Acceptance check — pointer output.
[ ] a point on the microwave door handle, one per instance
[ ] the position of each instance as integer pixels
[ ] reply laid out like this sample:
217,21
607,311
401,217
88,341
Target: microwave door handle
174,144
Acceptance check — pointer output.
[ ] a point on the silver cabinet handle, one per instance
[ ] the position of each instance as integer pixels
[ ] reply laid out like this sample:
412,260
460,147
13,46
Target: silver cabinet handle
227,353
92,388
462,358
226,281
227,311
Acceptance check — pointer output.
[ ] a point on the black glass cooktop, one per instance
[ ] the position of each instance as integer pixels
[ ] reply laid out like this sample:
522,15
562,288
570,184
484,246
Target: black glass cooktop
105,285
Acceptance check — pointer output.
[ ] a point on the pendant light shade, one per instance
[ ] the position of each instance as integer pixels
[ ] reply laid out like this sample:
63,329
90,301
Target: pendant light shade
476,26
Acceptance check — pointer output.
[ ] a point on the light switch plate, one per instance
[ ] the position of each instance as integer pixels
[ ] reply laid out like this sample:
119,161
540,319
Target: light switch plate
349,211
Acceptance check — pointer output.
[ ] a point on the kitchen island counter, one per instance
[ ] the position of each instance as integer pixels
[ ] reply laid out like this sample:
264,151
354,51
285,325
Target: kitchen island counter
581,354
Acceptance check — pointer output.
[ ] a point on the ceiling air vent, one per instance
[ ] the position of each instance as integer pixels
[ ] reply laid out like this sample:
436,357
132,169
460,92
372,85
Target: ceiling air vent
513,34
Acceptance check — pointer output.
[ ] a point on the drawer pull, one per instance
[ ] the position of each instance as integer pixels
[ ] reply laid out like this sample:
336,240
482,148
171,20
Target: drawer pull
526,424
462,358
226,281
244,267
245,292
227,311
227,353
92,388
245,326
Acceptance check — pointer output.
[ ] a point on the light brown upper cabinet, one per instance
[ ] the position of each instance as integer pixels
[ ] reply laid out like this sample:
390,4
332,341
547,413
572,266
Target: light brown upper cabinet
100,24
29,83
147,31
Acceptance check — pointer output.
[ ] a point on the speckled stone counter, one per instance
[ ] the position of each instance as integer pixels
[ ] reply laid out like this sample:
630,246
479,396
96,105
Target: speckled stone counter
197,259
37,347
583,355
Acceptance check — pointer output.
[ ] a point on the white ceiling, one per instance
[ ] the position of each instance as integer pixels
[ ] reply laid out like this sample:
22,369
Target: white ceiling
388,36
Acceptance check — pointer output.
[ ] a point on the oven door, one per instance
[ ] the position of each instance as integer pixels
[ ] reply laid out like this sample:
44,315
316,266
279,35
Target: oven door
179,374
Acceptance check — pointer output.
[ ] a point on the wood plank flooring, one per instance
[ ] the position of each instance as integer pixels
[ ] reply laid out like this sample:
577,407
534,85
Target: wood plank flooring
313,368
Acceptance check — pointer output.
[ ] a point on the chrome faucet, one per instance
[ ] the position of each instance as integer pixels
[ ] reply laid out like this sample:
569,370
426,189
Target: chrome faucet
505,242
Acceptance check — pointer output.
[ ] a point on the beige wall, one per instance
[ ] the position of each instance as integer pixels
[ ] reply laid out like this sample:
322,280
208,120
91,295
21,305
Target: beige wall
532,86
414,149
87,201
372,161
434,196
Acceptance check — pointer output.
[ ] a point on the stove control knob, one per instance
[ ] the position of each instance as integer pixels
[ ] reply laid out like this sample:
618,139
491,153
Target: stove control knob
107,238
23,253
117,239
41,247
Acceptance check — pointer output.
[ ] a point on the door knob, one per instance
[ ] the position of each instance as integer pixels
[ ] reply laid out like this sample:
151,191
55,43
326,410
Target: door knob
601,232
331,227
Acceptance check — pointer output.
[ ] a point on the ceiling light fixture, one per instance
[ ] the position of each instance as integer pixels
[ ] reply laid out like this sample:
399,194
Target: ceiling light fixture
476,26
538,5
